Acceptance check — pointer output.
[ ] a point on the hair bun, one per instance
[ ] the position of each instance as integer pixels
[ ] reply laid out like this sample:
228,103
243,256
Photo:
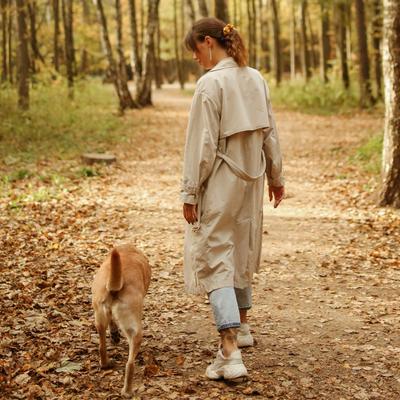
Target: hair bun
228,28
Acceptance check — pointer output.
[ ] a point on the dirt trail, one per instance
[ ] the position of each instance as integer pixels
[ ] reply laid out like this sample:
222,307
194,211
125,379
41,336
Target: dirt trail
325,313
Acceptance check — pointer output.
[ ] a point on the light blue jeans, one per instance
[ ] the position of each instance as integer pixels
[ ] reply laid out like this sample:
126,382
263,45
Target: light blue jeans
226,302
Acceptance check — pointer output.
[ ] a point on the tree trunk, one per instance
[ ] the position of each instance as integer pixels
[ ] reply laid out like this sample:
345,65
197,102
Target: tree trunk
390,194
137,62
251,41
203,8
254,27
293,43
313,57
22,56
376,44
277,43
191,11
4,21
32,7
112,65
144,97
235,11
157,62
176,46
305,57
342,42
56,34
10,42
86,18
221,10
325,46
66,9
264,57
123,78
366,99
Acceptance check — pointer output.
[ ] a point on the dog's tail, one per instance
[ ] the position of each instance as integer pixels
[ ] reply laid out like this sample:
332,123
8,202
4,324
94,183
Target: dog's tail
115,281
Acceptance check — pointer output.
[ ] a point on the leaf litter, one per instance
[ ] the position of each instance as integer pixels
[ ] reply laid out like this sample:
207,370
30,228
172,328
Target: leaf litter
325,312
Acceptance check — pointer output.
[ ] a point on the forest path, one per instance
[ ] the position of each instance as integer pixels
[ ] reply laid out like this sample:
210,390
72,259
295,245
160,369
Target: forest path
326,309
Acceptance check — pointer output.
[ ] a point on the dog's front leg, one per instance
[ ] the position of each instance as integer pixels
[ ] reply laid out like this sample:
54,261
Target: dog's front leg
134,345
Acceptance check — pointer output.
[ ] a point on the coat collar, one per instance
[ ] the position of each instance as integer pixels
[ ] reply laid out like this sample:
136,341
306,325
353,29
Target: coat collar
227,62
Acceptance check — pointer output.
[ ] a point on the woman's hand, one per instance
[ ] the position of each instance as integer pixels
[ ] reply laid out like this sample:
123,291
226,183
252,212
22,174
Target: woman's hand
276,192
190,212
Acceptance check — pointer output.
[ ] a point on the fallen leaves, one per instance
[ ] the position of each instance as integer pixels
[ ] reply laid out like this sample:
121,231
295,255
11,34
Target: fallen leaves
325,313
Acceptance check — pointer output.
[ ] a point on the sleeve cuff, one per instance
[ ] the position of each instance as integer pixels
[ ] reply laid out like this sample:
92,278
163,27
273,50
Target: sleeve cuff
277,182
188,198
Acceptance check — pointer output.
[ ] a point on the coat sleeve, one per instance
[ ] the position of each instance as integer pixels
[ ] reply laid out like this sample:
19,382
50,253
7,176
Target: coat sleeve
201,146
272,149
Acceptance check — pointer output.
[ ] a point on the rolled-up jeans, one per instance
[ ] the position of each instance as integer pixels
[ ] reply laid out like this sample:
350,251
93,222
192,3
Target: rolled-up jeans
226,302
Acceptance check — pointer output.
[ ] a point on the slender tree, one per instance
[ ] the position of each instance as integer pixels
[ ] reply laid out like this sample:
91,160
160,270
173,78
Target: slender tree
293,42
235,11
305,56
157,62
22,56
36,55
324,42
277,43
67,15
264,42
366,98
4,21
342,41
313,57
144,96
10,41
376,44
250,29
122,74
390,194
203,9
191,11
137,61
221,10
56,34
178,58
112,64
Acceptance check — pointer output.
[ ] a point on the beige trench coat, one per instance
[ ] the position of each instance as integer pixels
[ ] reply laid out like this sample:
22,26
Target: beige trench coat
231,144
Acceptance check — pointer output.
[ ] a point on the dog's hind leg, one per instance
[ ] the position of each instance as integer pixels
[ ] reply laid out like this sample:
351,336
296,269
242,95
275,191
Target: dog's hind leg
114,332
102,320
134,336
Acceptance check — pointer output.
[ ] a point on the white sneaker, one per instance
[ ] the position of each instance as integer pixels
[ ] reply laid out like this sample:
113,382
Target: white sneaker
244,336
231,367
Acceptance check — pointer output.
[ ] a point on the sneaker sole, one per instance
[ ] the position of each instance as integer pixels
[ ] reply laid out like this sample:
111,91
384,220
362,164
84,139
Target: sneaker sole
245,342
229,372
234,371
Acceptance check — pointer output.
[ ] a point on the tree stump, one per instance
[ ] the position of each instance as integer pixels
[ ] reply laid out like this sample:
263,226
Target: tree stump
92,158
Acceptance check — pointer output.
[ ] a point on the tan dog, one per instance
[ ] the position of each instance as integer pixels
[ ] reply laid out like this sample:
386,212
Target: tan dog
118,291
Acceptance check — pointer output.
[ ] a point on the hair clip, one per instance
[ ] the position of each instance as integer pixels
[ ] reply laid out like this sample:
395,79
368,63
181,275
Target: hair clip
228,28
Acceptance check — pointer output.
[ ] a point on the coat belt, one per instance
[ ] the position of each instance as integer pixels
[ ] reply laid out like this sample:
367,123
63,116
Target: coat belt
239,172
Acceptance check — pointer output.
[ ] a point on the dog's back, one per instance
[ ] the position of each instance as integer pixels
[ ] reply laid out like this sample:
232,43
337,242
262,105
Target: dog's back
125,270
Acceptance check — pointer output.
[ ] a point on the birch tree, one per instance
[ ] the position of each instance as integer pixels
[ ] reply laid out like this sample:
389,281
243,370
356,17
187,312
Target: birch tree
390,194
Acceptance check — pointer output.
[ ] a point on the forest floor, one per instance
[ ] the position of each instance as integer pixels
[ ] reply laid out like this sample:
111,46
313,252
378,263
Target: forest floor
326,307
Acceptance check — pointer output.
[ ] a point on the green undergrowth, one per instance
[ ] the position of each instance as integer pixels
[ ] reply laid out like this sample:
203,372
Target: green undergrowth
315,97
56,127
369,154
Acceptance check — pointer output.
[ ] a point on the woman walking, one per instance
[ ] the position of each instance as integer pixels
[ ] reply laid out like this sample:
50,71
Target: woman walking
231,145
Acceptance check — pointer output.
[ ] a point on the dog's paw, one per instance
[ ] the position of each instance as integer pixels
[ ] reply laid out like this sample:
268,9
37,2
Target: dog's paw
108,365
126,393
115,337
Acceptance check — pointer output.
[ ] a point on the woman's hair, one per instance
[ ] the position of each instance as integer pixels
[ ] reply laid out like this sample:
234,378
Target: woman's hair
225,34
